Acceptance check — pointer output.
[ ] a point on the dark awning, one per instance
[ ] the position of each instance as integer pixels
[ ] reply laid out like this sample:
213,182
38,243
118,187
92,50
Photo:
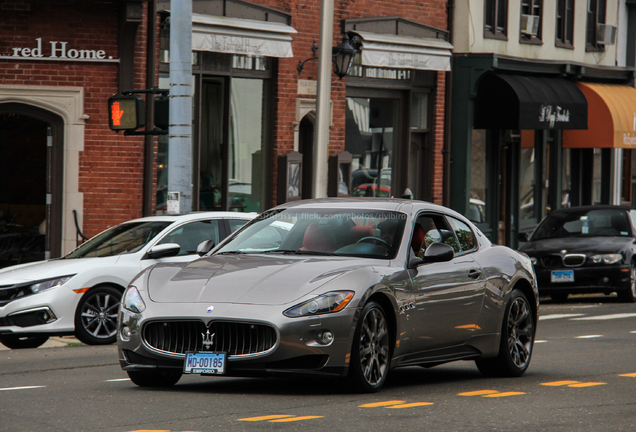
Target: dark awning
521,102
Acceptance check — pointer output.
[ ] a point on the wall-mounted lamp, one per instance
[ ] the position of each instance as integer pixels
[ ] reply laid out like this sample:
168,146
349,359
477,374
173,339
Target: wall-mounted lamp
341,57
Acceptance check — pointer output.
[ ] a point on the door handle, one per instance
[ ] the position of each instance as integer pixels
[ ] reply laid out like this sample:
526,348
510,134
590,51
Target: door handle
474,273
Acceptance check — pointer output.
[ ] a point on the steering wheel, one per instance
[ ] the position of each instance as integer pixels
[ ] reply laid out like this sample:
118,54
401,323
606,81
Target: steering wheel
375,240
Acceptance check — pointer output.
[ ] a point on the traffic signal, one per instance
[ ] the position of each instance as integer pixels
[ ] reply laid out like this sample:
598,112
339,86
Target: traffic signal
126,112
162,112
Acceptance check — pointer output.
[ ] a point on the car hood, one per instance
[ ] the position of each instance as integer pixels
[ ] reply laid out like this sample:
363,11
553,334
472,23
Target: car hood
577,245
247,279
52,268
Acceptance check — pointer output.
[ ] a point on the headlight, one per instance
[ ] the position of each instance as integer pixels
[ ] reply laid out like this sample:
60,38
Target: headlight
330,302
607,258
45,285
132,301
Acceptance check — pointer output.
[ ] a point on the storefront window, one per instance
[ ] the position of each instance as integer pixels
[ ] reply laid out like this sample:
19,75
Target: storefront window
371,137
247,145
211,152
478,179
526,188
566,178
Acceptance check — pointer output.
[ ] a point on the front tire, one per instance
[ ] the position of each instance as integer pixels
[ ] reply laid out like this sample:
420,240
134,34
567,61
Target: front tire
155,378
629,295
517,340
96,316
371,351
20,342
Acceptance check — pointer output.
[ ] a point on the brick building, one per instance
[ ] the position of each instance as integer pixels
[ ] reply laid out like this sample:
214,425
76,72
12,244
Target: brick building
60,61
253,110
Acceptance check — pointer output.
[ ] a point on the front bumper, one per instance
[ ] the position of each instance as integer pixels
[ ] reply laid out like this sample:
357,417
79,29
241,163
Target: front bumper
587,279
297,348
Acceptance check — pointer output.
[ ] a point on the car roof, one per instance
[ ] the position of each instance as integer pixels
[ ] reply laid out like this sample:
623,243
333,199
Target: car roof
591,207
195,216
365,203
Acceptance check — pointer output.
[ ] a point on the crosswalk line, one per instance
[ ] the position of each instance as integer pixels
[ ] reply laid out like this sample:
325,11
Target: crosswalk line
21,388
293,419
478,393
381,404
559,316
503,394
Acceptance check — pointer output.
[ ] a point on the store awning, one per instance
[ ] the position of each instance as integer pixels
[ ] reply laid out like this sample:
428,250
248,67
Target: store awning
241,36
522,102
611,118
401,52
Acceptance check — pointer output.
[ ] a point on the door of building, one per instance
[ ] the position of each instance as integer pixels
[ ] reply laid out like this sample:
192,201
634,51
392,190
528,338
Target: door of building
30,184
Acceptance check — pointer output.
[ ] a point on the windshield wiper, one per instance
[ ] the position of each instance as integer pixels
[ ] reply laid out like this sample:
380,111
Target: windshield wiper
298,252
234,252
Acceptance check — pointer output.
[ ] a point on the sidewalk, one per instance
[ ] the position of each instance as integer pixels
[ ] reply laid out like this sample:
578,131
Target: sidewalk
54,342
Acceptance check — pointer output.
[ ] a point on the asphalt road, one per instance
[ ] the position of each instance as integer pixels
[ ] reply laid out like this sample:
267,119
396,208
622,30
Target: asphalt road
582,378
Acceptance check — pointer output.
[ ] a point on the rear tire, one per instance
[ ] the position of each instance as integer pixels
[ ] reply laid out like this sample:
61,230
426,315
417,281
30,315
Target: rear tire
20,342
154,378
629,295
517,340
371,351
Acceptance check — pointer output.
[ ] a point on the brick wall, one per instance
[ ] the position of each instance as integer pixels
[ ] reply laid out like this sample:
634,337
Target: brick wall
111,165
306,20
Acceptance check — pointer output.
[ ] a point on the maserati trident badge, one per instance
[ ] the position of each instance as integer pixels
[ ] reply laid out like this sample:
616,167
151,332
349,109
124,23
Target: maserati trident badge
208,340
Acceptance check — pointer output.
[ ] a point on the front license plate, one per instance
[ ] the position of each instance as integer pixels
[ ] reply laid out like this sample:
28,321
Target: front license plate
562,276
211,363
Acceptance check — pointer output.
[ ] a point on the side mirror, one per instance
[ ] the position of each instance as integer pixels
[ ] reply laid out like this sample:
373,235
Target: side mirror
523,237
439,252
205,246
163,251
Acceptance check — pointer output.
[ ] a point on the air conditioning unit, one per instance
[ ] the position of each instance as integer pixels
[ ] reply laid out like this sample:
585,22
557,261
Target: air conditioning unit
530,24
605,34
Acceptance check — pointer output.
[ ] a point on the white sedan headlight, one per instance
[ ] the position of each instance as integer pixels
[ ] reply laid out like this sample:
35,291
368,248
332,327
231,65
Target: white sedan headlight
607,258
48,284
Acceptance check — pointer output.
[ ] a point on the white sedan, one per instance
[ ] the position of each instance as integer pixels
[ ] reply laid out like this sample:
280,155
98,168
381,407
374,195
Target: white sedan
79,294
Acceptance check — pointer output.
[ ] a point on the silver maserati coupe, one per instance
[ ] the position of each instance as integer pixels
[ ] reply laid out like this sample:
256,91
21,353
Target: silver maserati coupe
334,287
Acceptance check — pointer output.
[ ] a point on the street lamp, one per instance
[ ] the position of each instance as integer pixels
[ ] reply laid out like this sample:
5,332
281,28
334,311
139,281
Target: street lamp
341,57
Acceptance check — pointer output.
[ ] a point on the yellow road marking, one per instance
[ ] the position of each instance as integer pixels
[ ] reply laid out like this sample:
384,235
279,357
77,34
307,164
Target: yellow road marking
504,394
410,405
269,417
478,393
379,404
587,384
629,375
559,383
295,419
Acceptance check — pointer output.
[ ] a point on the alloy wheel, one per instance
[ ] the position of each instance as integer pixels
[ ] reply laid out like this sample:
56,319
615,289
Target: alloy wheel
374,347
99,315
520,332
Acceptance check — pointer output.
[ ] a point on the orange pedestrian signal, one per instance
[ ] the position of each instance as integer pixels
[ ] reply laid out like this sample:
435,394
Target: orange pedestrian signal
126,113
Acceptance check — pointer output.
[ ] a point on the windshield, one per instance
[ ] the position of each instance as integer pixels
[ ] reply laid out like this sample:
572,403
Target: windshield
118,240
589,223
361,233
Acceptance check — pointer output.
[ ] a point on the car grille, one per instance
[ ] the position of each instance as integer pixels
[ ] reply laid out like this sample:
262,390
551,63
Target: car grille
551,261
237,339
574,260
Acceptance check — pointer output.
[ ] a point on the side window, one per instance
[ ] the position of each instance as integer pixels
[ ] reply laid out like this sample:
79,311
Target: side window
464,235
632,214
431,229
236,224
190,235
